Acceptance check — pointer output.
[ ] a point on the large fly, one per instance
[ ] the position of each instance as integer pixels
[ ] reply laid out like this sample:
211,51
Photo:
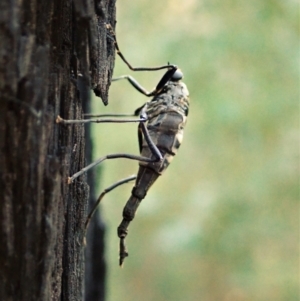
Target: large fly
160,131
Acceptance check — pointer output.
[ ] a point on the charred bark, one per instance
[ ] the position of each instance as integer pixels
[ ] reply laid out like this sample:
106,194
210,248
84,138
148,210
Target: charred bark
45,46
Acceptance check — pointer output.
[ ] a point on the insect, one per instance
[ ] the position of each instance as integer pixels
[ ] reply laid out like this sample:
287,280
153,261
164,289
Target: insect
160,131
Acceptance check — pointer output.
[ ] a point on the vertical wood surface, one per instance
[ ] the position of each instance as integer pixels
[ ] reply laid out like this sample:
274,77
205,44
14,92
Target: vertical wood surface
44,47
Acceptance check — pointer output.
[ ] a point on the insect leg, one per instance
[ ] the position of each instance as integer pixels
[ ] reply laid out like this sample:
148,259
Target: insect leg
152,146
166,77
104,192
143,128
102,120
112,36
134,83
136,113
109,115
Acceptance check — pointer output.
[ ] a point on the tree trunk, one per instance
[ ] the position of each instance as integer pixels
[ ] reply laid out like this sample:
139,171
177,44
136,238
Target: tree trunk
52,53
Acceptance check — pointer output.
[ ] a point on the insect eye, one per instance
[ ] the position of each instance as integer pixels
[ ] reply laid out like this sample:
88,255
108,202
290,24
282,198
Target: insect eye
178,75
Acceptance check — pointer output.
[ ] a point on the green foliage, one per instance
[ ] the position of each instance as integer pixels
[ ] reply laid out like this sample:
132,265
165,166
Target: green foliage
222,223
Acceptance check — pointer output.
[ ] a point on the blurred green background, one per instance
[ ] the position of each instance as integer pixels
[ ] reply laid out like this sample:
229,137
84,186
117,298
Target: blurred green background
223,222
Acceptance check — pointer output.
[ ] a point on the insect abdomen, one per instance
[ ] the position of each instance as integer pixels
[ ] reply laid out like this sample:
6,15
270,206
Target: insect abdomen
145,178
166,131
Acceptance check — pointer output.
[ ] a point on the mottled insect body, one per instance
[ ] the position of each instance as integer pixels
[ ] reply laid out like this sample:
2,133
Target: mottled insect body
160,132
167,114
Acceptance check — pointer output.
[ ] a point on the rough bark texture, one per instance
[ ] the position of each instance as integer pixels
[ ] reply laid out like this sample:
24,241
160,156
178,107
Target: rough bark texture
44,46
95,267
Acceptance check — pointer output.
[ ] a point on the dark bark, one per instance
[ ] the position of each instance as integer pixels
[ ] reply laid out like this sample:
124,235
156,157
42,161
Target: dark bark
44,46
95,268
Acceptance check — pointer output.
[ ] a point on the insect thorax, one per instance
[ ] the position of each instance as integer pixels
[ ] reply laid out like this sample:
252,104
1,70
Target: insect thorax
167,114
173,98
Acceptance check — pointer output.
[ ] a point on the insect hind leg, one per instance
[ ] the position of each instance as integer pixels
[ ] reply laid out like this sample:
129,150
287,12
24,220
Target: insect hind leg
104,192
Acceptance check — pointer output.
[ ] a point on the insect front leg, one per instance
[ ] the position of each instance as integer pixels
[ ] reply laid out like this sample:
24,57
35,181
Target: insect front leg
163,81
103,193
111,35
172,70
